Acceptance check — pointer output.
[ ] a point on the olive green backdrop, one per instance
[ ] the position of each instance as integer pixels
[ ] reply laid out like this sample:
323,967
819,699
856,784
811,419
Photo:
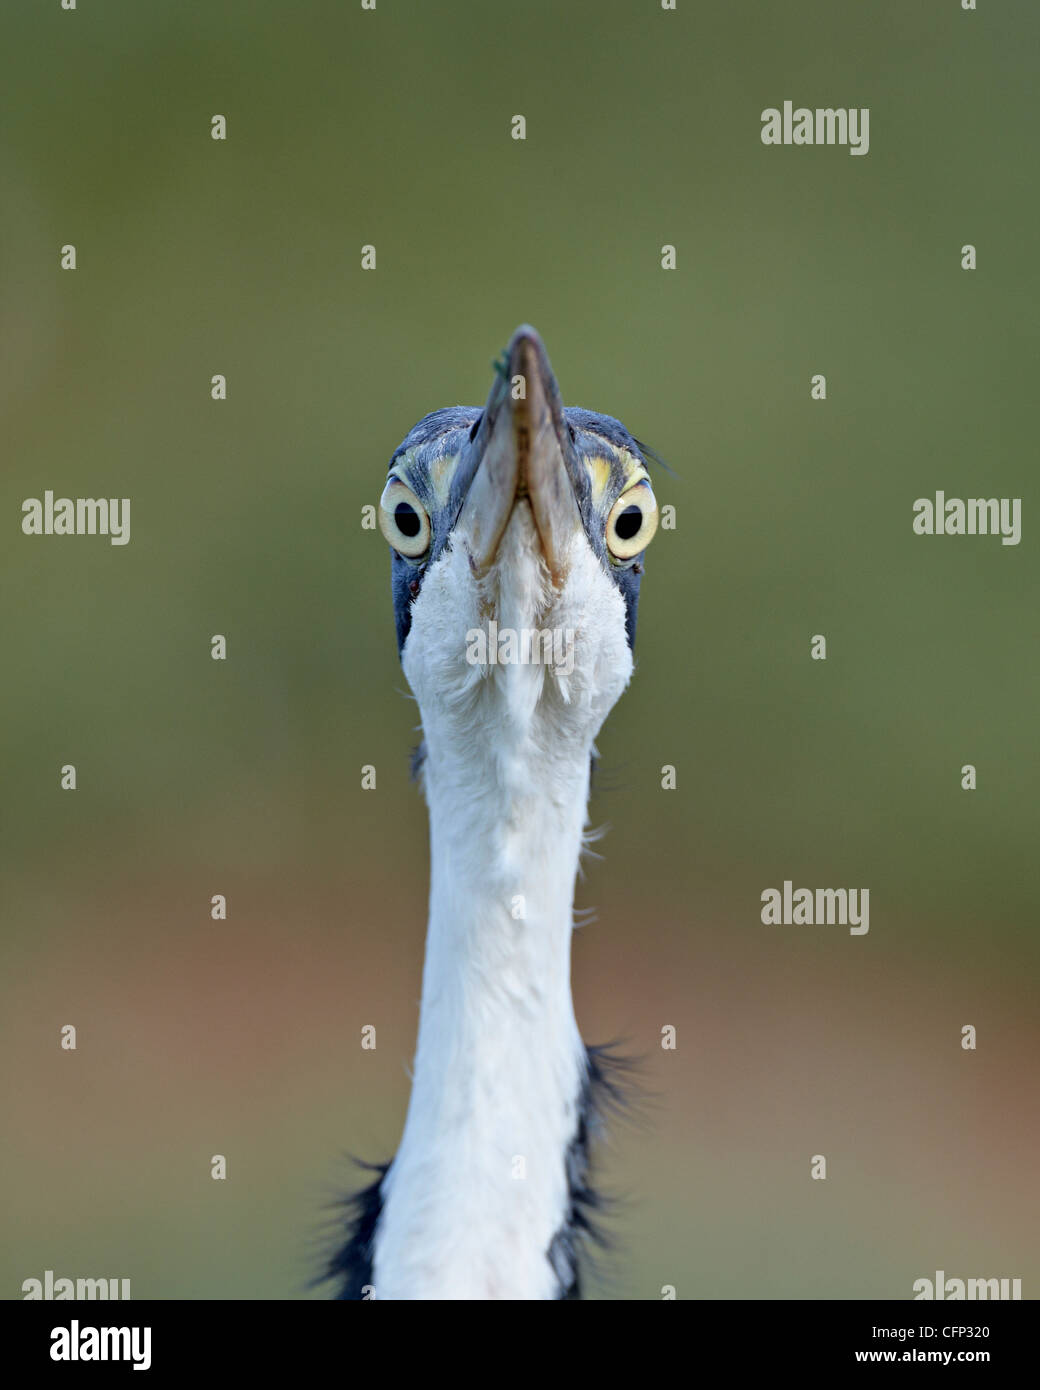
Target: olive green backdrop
198,257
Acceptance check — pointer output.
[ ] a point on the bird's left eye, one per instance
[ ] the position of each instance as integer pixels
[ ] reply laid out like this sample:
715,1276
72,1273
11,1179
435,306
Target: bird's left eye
632,522
403,520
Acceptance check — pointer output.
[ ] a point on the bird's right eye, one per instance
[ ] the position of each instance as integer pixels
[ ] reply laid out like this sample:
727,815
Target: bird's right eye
403,520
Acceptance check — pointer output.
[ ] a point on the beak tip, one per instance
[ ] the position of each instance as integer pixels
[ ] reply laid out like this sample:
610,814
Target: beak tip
522,453
526,351
526,333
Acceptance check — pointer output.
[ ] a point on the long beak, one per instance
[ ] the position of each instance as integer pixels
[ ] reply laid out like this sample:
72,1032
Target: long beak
522,448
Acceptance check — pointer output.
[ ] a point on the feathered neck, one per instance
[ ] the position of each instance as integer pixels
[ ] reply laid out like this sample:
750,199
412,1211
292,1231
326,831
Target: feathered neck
479,1201
479,1189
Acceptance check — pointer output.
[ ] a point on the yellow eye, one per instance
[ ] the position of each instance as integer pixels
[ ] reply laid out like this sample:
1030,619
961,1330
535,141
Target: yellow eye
404,520
632,522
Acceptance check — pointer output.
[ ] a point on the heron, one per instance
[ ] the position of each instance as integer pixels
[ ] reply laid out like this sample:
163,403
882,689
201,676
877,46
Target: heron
521,517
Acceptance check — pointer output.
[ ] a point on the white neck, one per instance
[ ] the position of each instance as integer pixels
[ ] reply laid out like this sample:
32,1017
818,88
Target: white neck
478,1189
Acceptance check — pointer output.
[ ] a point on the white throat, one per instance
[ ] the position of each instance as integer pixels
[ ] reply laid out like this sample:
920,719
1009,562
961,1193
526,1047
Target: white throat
478,1189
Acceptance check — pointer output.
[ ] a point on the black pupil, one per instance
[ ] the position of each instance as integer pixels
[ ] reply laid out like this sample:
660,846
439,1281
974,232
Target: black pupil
407,519
628,523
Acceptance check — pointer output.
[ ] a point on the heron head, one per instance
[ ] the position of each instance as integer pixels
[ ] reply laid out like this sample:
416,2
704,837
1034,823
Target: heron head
522,517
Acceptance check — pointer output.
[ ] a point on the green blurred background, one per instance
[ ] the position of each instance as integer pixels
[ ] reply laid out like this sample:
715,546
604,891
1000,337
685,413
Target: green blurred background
794,518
